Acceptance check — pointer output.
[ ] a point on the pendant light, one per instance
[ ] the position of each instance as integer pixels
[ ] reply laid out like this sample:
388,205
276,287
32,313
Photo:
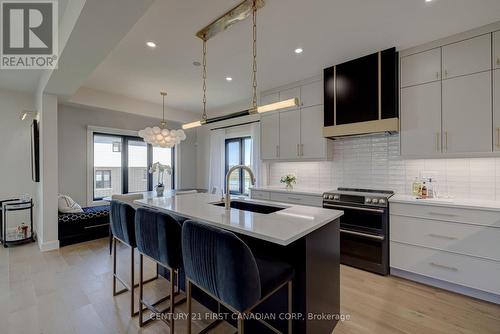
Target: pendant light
238,13
160,136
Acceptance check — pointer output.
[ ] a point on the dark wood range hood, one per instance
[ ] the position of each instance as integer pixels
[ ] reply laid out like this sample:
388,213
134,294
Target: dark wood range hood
361,96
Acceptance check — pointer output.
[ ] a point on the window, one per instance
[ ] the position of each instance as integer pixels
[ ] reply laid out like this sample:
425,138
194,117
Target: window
121,165
102,179
238,151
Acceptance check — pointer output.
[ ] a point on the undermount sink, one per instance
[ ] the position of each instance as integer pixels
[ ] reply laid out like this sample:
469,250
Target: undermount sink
253,207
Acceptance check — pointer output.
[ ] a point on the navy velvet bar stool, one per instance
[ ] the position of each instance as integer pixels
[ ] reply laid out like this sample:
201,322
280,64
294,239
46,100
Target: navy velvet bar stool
158,237
122,221
223,266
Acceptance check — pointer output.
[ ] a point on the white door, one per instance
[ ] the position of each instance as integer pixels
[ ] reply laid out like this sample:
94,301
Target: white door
421,68
467,57
496,109
289,134
313,144
311,94
467,114
496,49
269,136
421,120
269,98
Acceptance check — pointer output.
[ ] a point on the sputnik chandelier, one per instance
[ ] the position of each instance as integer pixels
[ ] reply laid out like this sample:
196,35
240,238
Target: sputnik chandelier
160,136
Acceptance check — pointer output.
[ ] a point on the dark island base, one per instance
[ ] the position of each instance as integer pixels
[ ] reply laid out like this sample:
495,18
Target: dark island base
316,285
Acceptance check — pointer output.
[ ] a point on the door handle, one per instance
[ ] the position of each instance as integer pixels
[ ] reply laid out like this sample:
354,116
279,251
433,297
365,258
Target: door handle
498,61
301,150
446,141
441,236
298,150
498,137
445,73
434,264
277,150
437,141
360,234
437,75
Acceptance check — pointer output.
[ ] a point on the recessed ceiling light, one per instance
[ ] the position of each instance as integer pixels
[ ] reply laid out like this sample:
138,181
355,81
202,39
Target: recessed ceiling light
428,0
298,50
151,44
229,79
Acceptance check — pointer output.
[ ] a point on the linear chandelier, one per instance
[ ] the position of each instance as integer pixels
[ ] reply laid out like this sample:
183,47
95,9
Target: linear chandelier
237,14
160,136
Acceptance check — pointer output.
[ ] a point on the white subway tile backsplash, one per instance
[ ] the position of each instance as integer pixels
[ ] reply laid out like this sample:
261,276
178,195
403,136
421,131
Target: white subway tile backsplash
374,162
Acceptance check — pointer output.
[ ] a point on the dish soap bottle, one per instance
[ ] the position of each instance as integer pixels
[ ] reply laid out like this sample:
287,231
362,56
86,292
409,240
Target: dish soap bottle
415,188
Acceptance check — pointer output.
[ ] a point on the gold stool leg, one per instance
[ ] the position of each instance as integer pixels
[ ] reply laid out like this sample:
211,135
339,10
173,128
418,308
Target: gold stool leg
241,325
172,300
290,306
141,289
132,283
114,266
188,292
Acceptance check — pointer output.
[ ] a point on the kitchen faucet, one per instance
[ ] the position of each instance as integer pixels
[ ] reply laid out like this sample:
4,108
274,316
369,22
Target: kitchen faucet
227,199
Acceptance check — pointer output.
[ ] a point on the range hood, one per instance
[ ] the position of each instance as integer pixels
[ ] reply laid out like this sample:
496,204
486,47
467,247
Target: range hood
361,96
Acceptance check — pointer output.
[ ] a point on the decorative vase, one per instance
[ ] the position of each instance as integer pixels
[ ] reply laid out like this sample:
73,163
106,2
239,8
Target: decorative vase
289,187
159,190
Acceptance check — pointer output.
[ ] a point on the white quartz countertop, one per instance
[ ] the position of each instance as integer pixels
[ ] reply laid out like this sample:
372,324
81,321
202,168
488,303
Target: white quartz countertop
281,227
295,190
448,202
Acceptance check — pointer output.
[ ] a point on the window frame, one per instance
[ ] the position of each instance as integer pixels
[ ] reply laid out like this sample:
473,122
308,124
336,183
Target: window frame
125,136
102,172
240,141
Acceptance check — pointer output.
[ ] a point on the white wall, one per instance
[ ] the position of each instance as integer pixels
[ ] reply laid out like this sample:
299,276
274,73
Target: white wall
15,147
73,122
374,162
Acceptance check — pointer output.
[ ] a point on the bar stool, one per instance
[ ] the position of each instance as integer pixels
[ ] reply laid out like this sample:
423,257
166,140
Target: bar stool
122,221
223,266
126,198
158,237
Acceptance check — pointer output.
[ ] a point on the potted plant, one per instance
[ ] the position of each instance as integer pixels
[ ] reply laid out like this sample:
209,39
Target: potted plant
161,169
289,180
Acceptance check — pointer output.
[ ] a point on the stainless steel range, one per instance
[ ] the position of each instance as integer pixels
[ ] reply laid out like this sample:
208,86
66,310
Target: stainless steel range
364,227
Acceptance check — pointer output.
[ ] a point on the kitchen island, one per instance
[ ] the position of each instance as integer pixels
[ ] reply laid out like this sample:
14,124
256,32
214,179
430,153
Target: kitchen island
306,237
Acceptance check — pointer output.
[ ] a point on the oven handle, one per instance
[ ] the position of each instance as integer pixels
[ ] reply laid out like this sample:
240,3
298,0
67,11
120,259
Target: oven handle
352,208
371,236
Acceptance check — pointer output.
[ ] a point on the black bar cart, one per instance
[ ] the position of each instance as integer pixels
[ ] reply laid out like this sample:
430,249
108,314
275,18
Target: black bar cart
22,233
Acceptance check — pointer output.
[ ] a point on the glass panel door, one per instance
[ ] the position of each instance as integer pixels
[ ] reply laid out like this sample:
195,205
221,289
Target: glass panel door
107,166
165,157
137,166
233,154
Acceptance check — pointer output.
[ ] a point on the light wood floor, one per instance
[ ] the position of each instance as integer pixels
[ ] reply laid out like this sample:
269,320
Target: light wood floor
69,291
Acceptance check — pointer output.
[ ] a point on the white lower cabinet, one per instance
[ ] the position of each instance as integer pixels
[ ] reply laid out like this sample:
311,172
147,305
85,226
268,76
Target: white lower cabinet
455,245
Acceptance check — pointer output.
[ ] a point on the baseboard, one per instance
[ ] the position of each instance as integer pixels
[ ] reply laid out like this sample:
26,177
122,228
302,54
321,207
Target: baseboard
48,246
471,292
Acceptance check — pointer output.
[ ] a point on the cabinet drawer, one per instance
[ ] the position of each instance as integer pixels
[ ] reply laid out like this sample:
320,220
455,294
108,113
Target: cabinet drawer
297,199
257,194
465,239
459,269
468,216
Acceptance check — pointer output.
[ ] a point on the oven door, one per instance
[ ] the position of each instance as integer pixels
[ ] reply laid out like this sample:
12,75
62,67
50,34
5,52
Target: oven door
363,237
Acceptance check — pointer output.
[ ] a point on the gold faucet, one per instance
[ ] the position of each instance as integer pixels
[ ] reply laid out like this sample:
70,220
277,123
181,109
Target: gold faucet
227,199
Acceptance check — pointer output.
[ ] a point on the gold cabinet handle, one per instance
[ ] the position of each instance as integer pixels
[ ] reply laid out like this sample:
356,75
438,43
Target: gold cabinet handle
301,149
498,61
498,137
437,141
298,150
446,141
277,150
442,266
440,236
445,73
437,75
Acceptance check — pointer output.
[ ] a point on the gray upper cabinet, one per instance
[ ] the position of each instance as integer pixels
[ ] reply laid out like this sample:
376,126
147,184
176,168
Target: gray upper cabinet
496,110
421,68
290,134
467,57
269,134
269,98
312,143
467,114
311,94
496,49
